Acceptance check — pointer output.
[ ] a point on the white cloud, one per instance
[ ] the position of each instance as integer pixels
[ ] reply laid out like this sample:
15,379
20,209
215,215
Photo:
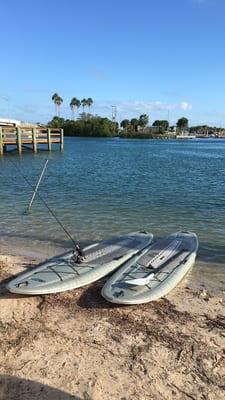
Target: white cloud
129,108
184,105
125,109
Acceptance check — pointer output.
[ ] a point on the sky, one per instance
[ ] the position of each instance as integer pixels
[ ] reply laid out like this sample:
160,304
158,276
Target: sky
165,58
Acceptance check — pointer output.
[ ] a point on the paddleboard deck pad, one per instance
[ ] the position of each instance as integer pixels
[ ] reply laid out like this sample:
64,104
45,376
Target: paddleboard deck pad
64,273
153,273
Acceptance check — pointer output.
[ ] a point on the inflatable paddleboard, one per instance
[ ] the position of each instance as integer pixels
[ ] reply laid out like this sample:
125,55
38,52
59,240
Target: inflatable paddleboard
153,273
64,273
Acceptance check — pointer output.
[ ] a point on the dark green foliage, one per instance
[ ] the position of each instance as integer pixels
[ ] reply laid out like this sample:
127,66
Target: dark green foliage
205,130
56,122
182,123
143,120
87,125
125,123
134,123
161,124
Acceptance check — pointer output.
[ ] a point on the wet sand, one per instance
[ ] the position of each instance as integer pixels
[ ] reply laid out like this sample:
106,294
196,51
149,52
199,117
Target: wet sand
75,345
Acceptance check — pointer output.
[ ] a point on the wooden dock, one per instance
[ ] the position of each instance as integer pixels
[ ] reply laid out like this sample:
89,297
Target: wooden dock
29,137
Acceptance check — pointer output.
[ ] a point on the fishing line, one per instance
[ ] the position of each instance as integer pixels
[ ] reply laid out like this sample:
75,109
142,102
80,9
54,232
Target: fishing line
77,247
36,187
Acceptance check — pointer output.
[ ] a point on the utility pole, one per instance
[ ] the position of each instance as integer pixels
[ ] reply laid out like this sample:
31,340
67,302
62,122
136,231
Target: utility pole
114,113
168,117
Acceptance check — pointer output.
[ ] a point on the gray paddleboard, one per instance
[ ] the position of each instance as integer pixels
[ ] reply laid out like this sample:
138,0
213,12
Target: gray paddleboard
64,273
153,273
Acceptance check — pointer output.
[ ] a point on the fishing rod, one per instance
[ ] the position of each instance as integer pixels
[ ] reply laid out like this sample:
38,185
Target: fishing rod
36,187
80,254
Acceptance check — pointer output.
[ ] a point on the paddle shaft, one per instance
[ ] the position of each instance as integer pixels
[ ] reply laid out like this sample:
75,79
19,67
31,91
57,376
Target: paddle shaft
37,186
77,247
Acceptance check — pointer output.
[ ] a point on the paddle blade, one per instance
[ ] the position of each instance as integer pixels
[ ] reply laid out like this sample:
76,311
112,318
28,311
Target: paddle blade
140,281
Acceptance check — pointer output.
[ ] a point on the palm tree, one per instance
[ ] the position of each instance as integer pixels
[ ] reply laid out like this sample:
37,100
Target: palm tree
182,123
125,123
89,103
72,106
143,120
77,103
84,103
57,101
54,98
134,123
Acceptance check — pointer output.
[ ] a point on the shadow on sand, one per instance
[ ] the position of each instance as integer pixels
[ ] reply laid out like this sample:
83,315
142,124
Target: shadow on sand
4,293
13,388
91,297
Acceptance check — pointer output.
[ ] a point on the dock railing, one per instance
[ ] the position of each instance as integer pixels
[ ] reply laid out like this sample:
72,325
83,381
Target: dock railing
30,137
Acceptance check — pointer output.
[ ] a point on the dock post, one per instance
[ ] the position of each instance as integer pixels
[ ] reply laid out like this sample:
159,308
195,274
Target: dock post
19,141
61,140
34,140
49,139
1,142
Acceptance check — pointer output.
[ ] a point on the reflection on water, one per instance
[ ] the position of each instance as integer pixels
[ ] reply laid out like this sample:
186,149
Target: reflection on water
101,187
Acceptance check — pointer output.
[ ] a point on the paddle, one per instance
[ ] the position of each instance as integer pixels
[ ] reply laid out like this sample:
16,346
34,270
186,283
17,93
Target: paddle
36,187
156,262
146,280
141,281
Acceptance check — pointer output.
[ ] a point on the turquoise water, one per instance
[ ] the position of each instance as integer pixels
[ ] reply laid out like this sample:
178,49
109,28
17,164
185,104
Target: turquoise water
100,187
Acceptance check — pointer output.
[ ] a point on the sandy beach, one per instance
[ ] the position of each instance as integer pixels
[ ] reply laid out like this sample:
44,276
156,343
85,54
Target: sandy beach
75,345
112,134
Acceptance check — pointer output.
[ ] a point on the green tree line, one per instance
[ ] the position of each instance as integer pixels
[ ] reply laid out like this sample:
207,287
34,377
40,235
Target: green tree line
86,124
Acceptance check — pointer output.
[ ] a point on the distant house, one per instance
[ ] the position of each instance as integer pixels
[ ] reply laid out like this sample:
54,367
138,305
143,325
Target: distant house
173,129
184,131
151,129
9,122
185,134
4,122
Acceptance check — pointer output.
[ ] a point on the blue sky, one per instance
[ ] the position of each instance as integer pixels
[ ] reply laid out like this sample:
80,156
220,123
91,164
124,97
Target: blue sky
160,57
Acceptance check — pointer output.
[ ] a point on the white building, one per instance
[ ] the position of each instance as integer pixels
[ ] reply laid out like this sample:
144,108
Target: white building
15,122
9,122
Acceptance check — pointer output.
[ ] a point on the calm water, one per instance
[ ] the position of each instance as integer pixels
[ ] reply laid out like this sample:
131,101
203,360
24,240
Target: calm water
100,187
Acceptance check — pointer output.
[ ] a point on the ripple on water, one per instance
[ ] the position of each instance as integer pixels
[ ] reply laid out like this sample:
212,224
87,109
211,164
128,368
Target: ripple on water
101,187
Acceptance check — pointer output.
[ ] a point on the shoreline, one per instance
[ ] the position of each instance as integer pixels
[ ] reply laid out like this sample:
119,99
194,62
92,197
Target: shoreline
77,346
208,271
